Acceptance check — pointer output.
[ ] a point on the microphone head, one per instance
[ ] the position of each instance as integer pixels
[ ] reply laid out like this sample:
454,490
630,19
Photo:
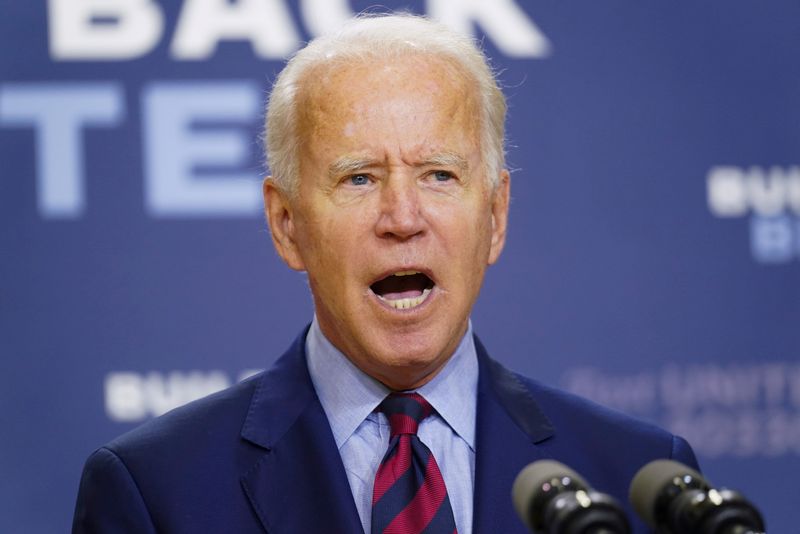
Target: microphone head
651,481
537,479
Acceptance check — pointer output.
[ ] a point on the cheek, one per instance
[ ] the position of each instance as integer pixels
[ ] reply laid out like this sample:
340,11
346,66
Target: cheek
470,242
332,246
468,227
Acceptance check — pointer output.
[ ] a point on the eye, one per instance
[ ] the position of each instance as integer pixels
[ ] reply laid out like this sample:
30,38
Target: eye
443,176
358,179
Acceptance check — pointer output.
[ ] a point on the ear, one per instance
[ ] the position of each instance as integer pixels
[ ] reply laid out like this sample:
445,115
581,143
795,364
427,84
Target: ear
500,200
280,218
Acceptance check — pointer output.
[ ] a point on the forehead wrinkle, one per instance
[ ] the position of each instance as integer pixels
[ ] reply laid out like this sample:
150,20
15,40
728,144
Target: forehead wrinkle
450,103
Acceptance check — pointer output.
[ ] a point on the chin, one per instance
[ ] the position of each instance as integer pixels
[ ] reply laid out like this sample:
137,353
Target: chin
408,367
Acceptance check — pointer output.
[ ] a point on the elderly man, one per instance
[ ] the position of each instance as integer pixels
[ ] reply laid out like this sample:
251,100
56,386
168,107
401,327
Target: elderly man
385,141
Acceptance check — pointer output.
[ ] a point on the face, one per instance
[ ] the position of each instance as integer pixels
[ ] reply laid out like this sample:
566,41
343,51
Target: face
394,219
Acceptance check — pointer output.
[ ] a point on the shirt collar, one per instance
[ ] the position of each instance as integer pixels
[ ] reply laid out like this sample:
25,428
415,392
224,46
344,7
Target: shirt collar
348,395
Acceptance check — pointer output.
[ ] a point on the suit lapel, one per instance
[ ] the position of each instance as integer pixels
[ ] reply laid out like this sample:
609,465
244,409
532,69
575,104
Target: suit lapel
509,426
299,483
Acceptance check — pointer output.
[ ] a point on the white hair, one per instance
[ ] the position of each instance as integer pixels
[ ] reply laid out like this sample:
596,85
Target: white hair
369,37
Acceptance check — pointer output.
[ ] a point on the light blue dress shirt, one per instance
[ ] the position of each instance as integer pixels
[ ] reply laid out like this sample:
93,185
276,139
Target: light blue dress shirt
349,397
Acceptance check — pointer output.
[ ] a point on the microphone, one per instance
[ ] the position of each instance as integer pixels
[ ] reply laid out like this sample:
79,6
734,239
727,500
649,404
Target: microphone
551,498
675,499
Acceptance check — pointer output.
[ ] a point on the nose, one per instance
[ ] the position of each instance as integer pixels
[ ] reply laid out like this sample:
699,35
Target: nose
401,214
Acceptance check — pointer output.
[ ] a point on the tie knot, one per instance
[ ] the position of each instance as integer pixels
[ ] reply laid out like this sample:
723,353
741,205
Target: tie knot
405,411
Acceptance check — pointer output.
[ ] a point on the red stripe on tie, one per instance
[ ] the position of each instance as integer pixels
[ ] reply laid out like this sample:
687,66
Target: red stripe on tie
391,470
423,507
401,423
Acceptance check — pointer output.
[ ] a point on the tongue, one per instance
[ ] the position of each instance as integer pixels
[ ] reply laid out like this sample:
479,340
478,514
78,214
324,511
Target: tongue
401,287
397,295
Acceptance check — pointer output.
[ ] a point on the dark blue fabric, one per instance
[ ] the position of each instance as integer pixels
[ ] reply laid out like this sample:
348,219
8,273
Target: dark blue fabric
443,521
521,421
260,457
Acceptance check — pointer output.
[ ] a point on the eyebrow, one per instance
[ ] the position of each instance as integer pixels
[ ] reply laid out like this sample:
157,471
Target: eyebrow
445,159
351,164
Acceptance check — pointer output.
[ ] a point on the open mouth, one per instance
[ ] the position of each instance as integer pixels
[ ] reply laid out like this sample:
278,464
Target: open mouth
404,289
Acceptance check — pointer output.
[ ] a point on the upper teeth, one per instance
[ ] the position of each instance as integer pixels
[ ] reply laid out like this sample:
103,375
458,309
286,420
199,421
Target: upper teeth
405,273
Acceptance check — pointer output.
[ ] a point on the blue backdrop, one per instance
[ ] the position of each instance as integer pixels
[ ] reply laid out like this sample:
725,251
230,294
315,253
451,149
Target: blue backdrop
652,262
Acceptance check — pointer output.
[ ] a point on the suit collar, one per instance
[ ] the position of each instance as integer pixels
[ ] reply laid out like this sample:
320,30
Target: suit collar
506,387
286,390
281,395
299,482
510,427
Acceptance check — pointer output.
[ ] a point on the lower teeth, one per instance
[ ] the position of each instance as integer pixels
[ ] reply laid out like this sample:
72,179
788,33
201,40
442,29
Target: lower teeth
404,304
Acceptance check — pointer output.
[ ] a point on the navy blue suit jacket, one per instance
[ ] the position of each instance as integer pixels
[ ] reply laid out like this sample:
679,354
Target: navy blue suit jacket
260,456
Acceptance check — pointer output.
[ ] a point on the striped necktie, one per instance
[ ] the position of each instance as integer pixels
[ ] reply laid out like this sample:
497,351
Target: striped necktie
409,495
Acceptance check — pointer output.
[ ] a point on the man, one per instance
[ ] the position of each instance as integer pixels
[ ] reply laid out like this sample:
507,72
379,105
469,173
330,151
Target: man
385,141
